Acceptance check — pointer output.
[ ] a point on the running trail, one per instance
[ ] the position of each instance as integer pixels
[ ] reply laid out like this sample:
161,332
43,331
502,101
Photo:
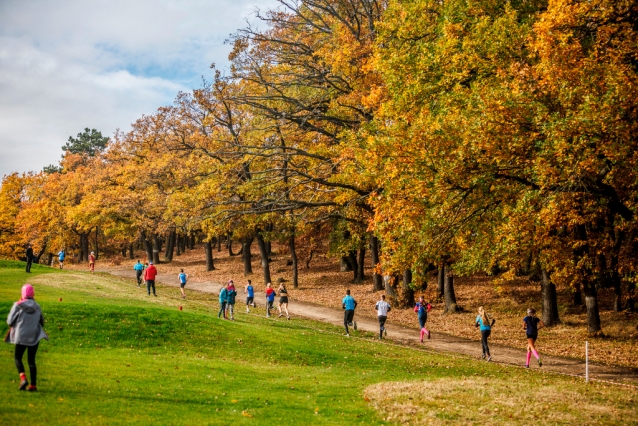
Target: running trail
410,336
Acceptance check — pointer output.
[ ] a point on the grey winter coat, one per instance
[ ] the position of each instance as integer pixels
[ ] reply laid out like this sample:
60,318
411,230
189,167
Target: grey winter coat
26,321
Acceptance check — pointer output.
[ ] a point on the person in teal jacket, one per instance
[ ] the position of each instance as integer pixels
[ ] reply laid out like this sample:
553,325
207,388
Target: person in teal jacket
485,322
223,300
139,268
231,293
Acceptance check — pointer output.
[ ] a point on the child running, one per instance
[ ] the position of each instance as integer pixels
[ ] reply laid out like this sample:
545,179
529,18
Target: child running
223,294
182,277
422,308
483,320
283,301
349,304
231,293
92,262
532,324
249,291
382,308
139,269
270,299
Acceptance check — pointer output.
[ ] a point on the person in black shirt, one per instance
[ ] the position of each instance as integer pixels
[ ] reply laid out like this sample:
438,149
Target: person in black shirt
30,257
532,324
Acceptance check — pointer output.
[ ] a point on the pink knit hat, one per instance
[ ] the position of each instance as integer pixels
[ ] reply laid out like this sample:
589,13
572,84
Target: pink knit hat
27,293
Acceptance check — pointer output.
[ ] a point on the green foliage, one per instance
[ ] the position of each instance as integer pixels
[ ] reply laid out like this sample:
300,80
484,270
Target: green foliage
89,142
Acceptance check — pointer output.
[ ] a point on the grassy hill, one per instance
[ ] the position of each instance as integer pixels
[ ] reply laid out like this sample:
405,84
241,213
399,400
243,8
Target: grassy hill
117,356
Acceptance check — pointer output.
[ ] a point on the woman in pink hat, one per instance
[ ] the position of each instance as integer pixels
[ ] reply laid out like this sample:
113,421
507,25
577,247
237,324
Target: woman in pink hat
26,321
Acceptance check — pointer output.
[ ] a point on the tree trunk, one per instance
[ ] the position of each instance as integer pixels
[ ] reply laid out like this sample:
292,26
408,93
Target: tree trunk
450,297
219,243
229,245
389,282
41,252
360,265
550,303
124,251
84,247
406,295
593,315
148,248
246,257
578,297
293,254
97,247
344,265
178,244
616,283
131,255
170,246
352,259
441,282
208,248
263,252
631,295
156,249
50,259
377,279
192,242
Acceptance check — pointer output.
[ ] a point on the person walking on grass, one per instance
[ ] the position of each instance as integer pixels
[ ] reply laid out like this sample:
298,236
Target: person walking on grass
249,291
422,308
223,299
283,301
485,323
61,257
231,294
182,277
532,324
92,262
349,304
30,257
270,299
382,308
139,269
149,277
26,321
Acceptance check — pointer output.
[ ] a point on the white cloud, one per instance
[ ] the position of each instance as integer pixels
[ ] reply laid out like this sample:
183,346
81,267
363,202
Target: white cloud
67,65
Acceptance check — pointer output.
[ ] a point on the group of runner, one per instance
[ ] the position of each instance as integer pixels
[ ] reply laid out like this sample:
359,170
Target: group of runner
62,257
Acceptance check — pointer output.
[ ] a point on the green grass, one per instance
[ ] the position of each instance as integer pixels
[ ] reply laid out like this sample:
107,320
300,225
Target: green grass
117,356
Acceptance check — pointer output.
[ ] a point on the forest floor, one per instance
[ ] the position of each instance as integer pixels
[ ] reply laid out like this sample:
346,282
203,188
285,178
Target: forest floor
507,301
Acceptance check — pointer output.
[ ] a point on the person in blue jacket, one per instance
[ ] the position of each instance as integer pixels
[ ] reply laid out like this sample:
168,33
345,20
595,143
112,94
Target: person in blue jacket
250,296
139,268
422,308
223,299
61,257
485,323
349,304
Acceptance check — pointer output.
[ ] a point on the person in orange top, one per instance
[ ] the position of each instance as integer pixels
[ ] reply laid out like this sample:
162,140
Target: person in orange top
149,277
92,262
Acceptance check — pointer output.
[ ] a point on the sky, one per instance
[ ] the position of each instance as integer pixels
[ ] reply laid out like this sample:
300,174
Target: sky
70,64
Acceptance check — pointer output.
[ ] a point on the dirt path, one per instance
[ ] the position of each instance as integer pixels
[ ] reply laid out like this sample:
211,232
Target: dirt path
406,335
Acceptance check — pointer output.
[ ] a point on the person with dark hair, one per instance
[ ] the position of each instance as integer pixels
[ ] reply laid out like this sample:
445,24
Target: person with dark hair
532,324
283,301
422,308
270,298
349,304
250,296
231,294
223,299
26,321
149,277
30,257
61,257
382,308
139,269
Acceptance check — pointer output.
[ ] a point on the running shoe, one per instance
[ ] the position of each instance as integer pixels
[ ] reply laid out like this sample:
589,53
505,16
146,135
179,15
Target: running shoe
526,365
483,356
347,334
429,335
385,332
540,363
280,315
24,384
288,318
489,358
32,388
355,325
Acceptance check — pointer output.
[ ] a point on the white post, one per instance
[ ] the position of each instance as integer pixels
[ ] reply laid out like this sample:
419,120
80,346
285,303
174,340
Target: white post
586,361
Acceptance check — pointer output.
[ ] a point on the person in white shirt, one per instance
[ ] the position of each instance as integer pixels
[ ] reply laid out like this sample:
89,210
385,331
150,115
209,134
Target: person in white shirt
382,308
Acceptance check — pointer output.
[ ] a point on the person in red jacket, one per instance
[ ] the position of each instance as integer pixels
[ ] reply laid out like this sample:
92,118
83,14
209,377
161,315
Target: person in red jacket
149,277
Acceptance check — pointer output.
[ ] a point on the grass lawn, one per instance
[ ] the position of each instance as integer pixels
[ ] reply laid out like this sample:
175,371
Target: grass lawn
117,356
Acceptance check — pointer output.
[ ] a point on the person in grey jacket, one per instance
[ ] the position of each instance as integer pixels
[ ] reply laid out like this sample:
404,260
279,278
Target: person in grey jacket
26,321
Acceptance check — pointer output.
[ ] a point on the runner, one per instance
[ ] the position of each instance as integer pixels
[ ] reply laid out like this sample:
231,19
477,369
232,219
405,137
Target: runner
231,293
422,308
26,321
531,326
382,308
182,277
139,269
30,257
349,304
223,294
92,262
249,291
270,299
485,322
283,301
61,257
149,277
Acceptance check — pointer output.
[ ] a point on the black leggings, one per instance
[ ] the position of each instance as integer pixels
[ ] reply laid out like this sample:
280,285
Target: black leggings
222,309
138,275
149,284
31,351
348,316
484,335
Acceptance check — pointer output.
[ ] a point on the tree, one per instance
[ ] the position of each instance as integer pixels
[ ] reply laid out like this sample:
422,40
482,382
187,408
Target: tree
90,142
